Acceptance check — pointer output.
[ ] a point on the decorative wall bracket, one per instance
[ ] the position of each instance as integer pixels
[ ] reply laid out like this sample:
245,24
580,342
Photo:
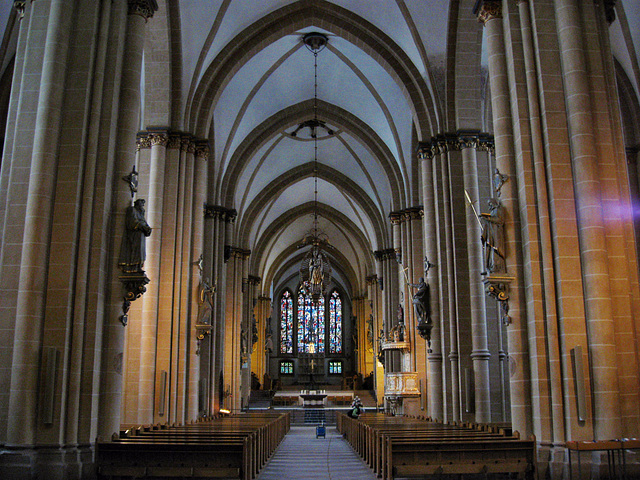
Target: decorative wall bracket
134,287
497,286
202,330
424,330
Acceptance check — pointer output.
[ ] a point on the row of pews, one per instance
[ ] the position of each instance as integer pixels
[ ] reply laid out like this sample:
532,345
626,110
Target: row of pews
412,446
236,446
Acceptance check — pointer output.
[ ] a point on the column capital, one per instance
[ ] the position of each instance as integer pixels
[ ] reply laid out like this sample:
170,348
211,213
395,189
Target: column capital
142,141
396,217
262,298
217,211
235,252
144,8
175,140
406,214
488,10
448,142
202,149
188,144
254,280
372,279
387,254
158,139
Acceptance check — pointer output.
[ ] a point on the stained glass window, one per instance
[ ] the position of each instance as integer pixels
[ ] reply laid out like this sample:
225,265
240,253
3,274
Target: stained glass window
335,323
286,323
286,367
335,367
310,323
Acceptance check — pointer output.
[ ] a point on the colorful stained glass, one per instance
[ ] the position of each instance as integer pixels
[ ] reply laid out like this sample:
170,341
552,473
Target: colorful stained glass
286,323
311,329
335,367
335,323
286,367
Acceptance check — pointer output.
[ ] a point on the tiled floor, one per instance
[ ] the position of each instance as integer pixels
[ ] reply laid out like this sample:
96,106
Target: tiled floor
302,456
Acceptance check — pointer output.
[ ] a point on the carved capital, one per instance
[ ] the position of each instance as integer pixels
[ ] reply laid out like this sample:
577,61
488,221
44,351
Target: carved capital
396,217
158,139
254,280
235,252
142,141
488,10
216,211
175,140
388,254
372,279
202,149
187,144
144,8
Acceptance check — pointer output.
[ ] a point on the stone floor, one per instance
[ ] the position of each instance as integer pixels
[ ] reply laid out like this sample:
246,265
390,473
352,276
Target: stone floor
302,456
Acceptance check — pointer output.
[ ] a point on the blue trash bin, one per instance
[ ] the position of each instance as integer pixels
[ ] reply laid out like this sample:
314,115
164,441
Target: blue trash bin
321,431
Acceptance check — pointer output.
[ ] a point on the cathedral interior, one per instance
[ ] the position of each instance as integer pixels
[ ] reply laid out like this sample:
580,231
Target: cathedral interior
431,204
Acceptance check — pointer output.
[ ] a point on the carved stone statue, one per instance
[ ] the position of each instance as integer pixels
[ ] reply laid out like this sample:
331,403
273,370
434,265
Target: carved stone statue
422,301
132,248
206,302
493,237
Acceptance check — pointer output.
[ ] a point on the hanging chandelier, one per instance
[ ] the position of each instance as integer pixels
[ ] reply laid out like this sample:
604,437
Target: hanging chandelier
315,270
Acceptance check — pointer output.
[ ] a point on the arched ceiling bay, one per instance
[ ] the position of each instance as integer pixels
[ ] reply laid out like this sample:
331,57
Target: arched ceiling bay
251,84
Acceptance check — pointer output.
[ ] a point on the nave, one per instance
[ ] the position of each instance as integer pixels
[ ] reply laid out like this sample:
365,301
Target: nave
302,456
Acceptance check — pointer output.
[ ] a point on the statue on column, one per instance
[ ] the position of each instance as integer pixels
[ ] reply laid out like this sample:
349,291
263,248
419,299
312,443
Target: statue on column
132,248
493,238
422,301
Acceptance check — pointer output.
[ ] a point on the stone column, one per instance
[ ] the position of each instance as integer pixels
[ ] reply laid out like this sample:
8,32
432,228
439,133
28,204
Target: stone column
129,109
267,334
480,351
197,256
158,141
593,245
447,273
435,399
373,294
22,414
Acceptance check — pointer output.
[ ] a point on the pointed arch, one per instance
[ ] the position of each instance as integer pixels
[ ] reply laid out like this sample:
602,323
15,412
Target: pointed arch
292,18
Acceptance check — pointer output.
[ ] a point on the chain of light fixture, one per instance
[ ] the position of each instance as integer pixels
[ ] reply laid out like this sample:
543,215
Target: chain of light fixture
315,266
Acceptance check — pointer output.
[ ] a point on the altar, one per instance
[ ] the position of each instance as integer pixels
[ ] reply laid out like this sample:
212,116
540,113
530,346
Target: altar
313,398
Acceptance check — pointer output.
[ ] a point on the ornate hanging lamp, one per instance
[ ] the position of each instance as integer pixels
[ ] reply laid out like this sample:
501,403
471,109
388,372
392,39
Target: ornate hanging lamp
315,270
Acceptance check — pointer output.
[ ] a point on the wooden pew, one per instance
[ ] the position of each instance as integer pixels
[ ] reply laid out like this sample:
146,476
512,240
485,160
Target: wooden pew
402,446
236,446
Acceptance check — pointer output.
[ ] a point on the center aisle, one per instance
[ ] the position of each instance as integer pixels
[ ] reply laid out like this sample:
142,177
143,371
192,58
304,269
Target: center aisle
302,456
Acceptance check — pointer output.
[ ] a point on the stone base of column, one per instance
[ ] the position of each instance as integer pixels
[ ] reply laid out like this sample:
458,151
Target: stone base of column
52,463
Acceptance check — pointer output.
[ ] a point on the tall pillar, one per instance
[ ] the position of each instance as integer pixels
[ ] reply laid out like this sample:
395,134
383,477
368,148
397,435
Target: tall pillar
480,351
490,15
593,245
197,257
436,393
21,425
129,109
158,141
375,301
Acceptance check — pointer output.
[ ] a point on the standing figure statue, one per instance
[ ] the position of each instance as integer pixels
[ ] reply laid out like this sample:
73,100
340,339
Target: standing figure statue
422,301
493,238
132,248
